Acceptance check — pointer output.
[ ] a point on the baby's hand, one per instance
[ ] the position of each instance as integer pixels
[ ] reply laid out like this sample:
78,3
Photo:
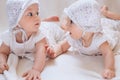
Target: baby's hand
51,52
108,74
3,67
104,10
32,75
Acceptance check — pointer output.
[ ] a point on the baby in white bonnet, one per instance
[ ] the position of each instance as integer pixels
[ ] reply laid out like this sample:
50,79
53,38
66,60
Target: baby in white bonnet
82,21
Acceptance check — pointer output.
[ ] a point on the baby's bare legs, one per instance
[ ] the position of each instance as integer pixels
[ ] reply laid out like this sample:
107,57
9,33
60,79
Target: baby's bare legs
109,71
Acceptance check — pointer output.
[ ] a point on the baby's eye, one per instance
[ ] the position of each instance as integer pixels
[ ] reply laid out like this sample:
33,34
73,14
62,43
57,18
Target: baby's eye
71,22
37,13
30,14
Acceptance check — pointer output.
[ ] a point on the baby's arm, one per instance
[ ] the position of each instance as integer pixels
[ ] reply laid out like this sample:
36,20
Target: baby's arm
58,49
40,56
4,52
108,55
39,63
109,14
51,19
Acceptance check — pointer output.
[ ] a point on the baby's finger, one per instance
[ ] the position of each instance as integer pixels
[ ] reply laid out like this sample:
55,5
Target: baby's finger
109,76
48,49
38,78
46,46
25,74
1,71
112,74
51,51
105,74
6,67
3,68
35,78
29,77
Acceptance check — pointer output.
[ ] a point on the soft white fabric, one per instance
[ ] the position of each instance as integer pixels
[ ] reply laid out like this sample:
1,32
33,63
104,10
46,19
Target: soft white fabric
26,49
85,14
53,32
111,29
93,49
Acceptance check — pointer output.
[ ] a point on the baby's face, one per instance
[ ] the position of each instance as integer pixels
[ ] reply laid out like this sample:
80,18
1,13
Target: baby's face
72,28
30,20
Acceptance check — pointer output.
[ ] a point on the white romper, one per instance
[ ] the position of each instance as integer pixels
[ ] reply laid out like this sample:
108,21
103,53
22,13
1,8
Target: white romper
25,49
110,34
97,40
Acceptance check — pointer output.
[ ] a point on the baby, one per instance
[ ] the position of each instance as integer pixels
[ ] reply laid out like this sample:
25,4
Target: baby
82,21
24,37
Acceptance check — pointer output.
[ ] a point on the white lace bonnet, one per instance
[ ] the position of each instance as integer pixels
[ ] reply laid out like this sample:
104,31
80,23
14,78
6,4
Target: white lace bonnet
15,10
86,14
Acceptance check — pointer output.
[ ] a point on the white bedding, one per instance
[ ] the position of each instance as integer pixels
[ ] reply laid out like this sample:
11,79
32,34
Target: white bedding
71,66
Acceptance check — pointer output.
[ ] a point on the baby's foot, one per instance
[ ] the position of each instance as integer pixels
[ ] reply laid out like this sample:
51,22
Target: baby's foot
87,39
108,74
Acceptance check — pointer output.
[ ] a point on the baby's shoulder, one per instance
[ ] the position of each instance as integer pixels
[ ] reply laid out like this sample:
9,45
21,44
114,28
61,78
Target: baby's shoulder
38,36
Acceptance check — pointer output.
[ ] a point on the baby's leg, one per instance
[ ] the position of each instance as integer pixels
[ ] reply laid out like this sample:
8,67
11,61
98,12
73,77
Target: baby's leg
109,62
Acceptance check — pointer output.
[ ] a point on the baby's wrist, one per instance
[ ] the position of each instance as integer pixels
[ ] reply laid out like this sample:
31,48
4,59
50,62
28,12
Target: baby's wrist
58,50
33,68
111,69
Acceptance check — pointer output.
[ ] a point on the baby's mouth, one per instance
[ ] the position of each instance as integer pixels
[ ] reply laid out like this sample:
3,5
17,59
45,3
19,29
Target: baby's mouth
37,24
